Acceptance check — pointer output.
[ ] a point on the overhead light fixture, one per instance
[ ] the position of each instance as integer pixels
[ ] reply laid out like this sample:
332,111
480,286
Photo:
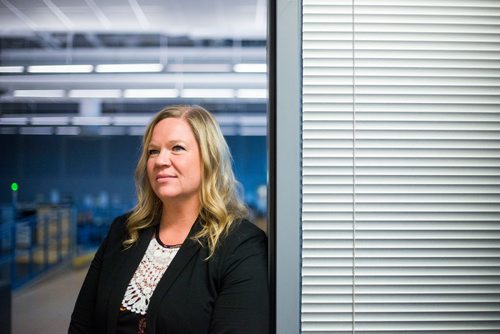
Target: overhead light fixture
251,93
253,120
208,93
207,68
60,68
229,130
253,131
50,120
68,130
250,68
13,120
131,120
44,93
245,120
91,120
150,93
136,130
112,131
36,130
226,119
128,68
11,69
95,93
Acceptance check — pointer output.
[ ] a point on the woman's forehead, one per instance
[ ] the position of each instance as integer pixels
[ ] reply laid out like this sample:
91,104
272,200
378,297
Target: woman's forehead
172,128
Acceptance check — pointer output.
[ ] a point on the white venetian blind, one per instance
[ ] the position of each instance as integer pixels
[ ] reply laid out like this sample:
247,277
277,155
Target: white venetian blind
401,166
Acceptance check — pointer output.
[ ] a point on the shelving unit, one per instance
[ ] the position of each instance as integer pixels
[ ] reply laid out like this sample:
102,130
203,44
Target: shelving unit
34,241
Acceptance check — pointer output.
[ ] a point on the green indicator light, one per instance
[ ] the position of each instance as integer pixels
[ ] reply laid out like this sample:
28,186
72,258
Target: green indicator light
14,186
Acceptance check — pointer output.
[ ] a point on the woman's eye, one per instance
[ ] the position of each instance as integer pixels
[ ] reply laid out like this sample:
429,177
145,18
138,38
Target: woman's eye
177,148
153,151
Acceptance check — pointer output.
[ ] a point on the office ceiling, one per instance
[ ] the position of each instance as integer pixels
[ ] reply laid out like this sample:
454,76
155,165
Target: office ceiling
199,45
195,18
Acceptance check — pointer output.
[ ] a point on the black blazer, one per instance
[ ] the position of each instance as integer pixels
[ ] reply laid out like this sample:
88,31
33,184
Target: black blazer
226,294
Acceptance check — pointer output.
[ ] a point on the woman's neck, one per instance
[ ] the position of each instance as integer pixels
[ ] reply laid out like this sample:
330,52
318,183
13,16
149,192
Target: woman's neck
176,221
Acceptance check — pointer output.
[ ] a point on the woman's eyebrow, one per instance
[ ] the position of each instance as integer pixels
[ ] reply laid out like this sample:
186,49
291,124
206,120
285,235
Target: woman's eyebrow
170,142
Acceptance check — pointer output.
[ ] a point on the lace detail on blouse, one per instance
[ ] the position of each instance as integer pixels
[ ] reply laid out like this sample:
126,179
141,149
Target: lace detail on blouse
147,275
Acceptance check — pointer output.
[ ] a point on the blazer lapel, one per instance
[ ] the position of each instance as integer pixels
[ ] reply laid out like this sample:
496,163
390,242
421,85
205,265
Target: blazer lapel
188,249
126,264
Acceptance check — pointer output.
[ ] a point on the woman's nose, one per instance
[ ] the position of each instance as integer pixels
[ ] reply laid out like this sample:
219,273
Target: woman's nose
164,158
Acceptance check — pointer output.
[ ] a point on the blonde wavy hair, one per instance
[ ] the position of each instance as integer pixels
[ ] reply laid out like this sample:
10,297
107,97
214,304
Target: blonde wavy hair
220,203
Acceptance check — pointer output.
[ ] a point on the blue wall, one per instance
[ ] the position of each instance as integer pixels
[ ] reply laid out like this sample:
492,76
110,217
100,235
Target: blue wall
79,168
250,163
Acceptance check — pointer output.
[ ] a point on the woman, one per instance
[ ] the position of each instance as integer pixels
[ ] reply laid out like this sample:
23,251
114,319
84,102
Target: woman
185,260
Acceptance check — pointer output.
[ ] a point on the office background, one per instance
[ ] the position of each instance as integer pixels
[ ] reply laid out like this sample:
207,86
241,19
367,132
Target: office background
386,126
79,81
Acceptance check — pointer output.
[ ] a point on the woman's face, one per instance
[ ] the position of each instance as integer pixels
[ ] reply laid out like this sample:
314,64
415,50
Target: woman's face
174,164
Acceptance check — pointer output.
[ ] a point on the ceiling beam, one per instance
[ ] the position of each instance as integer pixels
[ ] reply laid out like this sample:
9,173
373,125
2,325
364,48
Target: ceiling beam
133,80
133,54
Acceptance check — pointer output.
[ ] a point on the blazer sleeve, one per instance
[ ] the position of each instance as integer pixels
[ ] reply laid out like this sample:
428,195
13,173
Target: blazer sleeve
83,318
242,305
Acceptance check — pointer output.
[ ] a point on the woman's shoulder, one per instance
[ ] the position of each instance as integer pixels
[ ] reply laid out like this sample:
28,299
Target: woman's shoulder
245,227
118,227
244,244
120,221
243,231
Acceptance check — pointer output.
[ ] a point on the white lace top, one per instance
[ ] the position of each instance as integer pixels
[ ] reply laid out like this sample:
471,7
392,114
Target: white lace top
147,275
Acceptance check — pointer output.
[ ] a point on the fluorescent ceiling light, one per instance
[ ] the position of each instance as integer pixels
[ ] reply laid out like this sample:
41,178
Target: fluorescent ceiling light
39,130
116,68
253,120
68,130
11,69
255,68
226,119
112,131
251,93
48,93
208,93
95,93
150,93
14,120
229,130
136,130
199,68
50,120
91,120
253,131
131,120
60,69
241,119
